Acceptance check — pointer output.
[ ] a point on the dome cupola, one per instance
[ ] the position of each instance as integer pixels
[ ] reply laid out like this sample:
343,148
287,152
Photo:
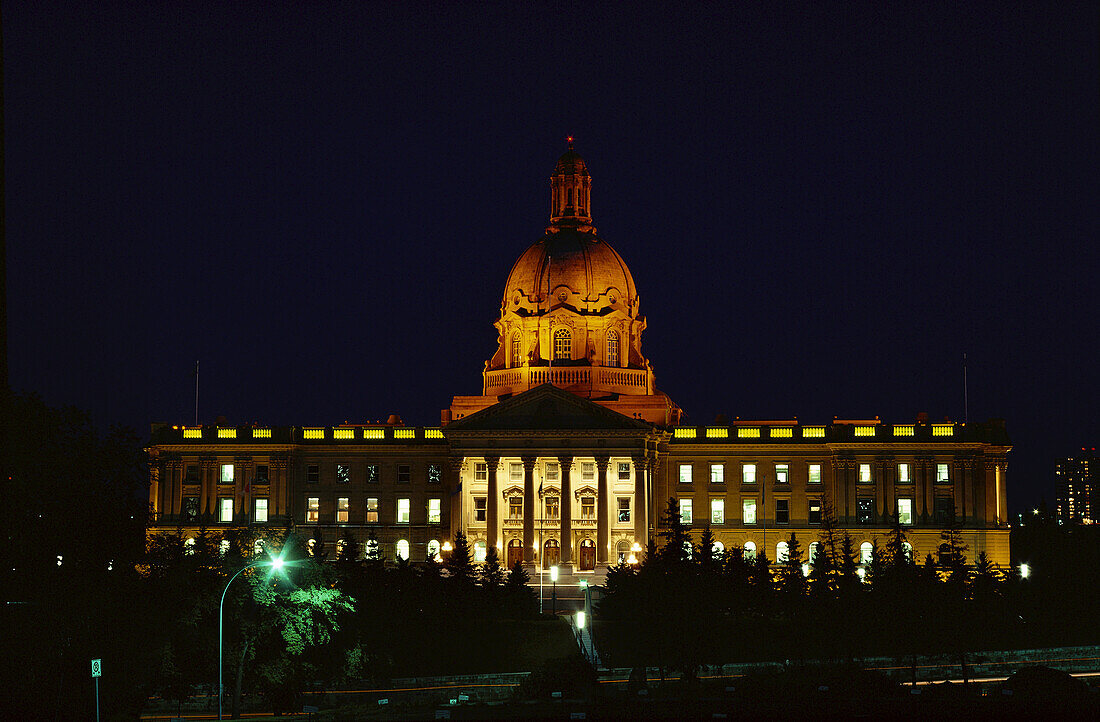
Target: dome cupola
570,193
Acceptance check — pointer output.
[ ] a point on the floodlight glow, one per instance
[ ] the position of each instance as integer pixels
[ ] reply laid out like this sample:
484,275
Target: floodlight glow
554,573
583,583
277,563
861,572
805,570
1025,571
580,620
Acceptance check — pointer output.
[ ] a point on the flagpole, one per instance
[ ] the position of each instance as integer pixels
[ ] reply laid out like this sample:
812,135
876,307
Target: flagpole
196,393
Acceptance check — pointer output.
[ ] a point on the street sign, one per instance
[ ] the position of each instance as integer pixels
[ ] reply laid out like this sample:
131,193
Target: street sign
97,667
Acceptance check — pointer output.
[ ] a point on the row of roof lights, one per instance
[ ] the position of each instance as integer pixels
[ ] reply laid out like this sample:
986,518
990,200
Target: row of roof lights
195,432
808,432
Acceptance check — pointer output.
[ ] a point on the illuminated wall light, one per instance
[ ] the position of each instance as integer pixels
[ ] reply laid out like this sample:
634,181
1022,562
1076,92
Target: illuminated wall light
261,433
433,433
943,429
192,433
905,430
864,431
718,433
748,433
374,433
227,433
781,432
813,432
683,433
404,433
343,433
313,433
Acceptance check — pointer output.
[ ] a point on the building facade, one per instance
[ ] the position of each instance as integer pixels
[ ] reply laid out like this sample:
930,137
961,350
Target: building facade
1075,488
570,454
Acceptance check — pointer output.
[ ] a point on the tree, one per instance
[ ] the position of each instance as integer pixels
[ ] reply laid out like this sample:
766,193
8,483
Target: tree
459,563
677,546
520,599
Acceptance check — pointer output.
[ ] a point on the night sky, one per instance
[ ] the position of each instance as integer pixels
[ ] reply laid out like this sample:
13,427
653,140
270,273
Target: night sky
822,210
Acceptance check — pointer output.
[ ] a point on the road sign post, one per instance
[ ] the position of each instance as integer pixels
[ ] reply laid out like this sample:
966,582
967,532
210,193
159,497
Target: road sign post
97,672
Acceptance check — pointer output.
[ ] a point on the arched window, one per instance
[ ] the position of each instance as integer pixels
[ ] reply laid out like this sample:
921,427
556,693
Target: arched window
563,344
311,546
223,547
612,348
189,546
479,551
401,549
815,549
517,350
865,552
782,553
433,550
258,547
750,550
717,548
370,548
339,547
907,550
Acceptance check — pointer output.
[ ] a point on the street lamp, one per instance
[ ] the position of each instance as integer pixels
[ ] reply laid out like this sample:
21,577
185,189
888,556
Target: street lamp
1025,570
554,593
276,564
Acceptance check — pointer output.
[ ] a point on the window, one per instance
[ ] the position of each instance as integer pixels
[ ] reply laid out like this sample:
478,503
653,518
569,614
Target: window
479,551
515,507
515,473
404,473
259,510
782,511
435,511
553,510
479,508
814,515
814,550
343,473
588,507
748,511
226,475
903,474
750,550
402,511
481,472
865,474
191,475
717,474
782,553
782,474
815,474
563,344
313,510
190,508
612,348
258,548
748,473
372,510
944,507
261,474
313,473
223,547
685,511
866,509
905,510
435,473
588,471
225,510
372,473
517,349
401,550
907,550
371,550
685,473
342,508
433,550
552,471
624,509
624,471
866,551
717,511
942,475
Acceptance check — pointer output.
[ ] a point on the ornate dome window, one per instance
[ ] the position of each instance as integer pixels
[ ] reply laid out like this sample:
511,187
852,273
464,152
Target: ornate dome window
612,348
517,350
563,344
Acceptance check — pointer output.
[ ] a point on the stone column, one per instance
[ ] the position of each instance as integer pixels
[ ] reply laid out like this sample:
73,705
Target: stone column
641,514
492,503
529,510
208,487
242,477
602,531
565,504
960,491
279,500
455,521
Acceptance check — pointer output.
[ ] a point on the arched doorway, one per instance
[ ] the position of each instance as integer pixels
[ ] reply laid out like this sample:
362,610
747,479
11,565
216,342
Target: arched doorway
515,552
588,555
551,553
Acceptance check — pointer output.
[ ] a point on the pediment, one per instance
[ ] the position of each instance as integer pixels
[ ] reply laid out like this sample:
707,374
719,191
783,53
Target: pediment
545,407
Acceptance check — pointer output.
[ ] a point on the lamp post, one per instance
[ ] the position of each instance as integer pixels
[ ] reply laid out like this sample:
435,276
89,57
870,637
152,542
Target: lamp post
554,593
276,564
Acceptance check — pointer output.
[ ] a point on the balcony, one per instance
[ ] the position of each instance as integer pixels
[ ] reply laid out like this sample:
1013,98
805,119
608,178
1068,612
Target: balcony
513,523
613,380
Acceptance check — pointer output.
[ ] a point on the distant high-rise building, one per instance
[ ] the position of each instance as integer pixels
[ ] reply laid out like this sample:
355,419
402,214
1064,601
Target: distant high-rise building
1075,477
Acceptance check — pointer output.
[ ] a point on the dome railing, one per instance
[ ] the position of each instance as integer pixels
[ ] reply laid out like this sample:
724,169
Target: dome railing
612,380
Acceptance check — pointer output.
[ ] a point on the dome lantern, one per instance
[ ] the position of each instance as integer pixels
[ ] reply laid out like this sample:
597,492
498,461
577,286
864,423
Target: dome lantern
570,193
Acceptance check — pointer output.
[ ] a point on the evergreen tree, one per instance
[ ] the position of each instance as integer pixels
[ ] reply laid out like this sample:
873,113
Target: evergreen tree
792,580
952,549
710,562
896,552
677,546
491,574
520,600
459,562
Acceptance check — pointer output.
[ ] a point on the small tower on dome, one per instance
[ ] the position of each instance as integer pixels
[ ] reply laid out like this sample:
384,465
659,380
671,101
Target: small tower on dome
570,193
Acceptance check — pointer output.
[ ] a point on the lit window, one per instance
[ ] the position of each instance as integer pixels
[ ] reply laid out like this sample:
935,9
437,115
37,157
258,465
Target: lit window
481,472
259,512
748,433
433,549
905,511
865,474
781,432
942,474
313,510
685,511
903,474
750,550
433,433
223,547
865,431
815,474
814,515
563,344
612,348
866,510
225,510
903,430
813,432
435,511
782,511
552,507
782,553
227,474
479,508
515,507
782,474
588,507
343,433
866,551
588,471
435,473
342,508
685,473
258,548
943,429
714,432
683,433
404,433
191,508
717,548
192,433
401,550
517,349
313,473
717,473
515,473
814,549
479,551
748,511
371,550
552,469
372,510
343,473
907,550
717,511
402,511
313,433
748,473
624,509
372,473
404,473
374,433
624,471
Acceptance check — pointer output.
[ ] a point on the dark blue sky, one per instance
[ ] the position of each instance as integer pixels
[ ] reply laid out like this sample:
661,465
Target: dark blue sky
823,210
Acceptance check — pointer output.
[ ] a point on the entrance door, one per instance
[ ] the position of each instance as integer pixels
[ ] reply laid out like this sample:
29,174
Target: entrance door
515,552
551,553
588,555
